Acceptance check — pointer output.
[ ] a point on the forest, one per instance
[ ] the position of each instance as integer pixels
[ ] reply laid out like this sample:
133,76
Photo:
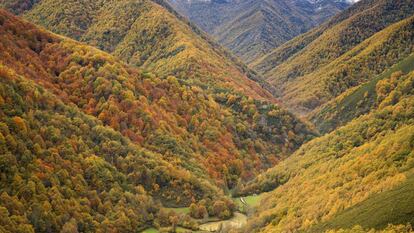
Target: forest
142,134
370,154
340,54
124,116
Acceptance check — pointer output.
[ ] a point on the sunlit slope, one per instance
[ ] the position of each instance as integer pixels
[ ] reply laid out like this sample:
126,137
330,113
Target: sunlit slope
310,69
359,65
394,206
150,36
369,155
356,101
297,45
87,80
224,137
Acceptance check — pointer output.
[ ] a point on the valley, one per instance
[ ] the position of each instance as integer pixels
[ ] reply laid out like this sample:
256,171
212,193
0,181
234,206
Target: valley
251,28
244,204
229,116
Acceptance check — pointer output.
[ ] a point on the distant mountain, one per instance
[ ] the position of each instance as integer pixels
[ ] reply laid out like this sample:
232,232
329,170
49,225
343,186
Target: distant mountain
251,28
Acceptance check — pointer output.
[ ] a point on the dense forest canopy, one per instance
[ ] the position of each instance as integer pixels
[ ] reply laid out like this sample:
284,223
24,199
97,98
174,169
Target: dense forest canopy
162,139
131,119
342,53
371,154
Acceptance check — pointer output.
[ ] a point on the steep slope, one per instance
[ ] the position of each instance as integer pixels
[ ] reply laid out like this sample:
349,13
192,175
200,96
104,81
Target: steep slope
388,229
252,28
226,126
62,169
226,138
393,206
370,155
150,36
356,101
307,70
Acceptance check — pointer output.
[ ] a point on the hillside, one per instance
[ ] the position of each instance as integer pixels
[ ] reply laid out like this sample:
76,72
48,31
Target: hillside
251,28
64,170
90,142
226,124
131,119
150,36
323,63
393,206
351,165
189,155
356,101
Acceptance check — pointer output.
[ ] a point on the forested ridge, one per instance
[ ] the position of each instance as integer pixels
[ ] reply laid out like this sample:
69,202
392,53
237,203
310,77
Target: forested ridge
369,155
150,36
357,101
354,178
131,119
145,35
359,65
251,28
334,52
160,138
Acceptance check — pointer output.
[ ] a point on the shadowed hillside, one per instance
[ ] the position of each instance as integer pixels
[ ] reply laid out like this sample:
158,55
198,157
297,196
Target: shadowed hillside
251,28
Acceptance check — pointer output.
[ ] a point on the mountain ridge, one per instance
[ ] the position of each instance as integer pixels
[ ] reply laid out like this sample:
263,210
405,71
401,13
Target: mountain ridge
208,133
68,24
220,19
306,57
131,119
370,155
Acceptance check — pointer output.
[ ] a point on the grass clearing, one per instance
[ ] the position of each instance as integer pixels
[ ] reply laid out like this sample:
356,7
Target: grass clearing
150,230
183,230
248,202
